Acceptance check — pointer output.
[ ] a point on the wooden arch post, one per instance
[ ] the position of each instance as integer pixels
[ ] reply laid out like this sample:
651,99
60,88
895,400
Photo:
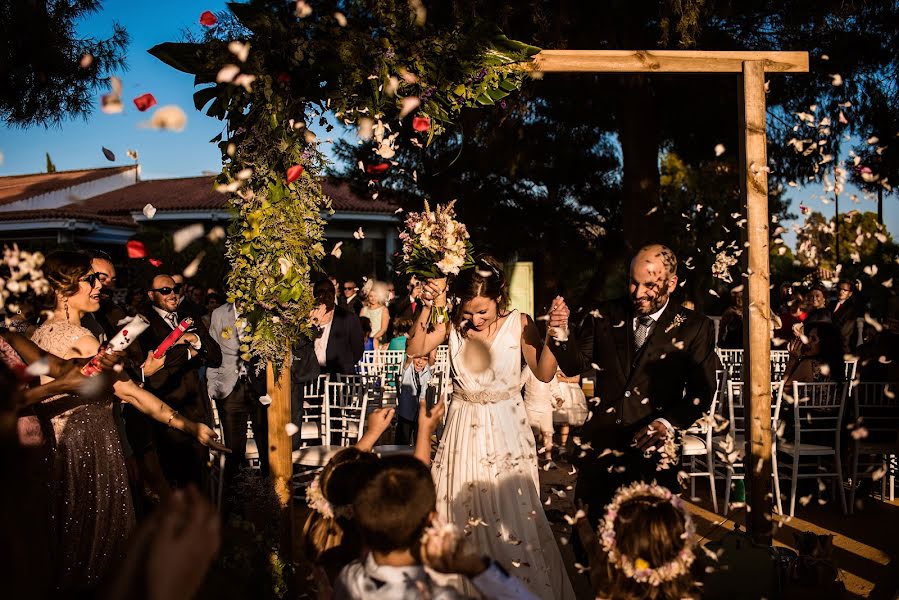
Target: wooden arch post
751,67
279,449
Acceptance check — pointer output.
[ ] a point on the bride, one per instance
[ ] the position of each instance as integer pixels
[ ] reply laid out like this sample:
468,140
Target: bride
485,469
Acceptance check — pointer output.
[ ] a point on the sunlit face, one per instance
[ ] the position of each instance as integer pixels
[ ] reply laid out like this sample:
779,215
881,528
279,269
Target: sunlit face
164,294
106,271
650,283
845,292
87,298
480,312
817,299
420,363
349,289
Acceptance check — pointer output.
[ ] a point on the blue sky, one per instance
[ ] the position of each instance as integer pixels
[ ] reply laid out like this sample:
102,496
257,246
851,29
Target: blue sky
77,144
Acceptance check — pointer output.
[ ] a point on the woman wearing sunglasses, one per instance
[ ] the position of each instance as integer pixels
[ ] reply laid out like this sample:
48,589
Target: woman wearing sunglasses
90,488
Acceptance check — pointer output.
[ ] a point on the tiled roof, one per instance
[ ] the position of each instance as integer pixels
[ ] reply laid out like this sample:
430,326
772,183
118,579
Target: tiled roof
197,193
67,213
19,187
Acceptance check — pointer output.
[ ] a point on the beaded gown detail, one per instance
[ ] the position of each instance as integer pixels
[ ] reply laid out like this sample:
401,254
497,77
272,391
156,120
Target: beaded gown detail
486,470
92,503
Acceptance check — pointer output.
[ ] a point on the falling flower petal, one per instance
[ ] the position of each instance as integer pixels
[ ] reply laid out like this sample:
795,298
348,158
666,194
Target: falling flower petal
284,265
359,234
149,211
111,103
39,367
719,149
169,117
294,172
376,169
341,19
303,9
336,252
132,154
836,79
208,19
217,233
291,429
227,74
240,50
265,400
110,156
194,266
144,101
421,123
86,60
184,236
155,262
409,104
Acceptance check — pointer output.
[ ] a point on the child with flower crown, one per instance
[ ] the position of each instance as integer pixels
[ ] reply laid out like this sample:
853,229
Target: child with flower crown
645,546
331,539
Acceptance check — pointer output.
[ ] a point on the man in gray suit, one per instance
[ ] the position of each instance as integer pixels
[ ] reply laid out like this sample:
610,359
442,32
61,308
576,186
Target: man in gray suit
235,390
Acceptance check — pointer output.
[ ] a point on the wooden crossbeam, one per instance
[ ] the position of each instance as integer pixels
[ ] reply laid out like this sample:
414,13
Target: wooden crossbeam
665,61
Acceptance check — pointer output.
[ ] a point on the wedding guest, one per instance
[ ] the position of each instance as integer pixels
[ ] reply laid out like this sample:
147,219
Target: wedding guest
819,358
845,313
573,411
213,301
408,306
229,386
351,297
413,390
391,293
401,329
540,399
730,330
367,342
817,305
178,382
186,305
338,345
646,546
792,316
95,513
393,511
375,310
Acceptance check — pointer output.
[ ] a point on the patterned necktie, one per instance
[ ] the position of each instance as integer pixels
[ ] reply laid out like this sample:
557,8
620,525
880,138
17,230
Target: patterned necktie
642,332
173,320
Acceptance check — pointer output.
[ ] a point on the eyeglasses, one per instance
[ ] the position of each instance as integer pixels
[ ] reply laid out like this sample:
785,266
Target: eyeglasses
165,291
91,279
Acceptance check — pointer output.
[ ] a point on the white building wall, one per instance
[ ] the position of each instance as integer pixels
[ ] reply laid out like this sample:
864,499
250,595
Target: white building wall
75,193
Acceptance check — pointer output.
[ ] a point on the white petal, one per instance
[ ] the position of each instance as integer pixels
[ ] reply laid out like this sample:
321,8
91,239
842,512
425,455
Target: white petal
184,236
149,211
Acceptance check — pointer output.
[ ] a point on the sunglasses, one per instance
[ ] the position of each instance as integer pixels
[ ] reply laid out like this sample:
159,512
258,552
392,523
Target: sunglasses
349,288
92,279
165,291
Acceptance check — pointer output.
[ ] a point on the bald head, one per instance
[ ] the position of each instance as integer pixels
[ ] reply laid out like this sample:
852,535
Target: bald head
653,276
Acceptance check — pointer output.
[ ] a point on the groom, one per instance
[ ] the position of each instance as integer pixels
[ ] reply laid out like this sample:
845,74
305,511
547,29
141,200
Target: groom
655,364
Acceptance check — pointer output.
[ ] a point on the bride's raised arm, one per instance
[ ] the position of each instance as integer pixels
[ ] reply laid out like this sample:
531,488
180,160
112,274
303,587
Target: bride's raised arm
539,358
422,341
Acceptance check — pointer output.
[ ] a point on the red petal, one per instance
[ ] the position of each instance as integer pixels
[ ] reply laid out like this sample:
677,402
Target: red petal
376,169
284,77
208,19
136,249
421,123
144,102
294,172
155,262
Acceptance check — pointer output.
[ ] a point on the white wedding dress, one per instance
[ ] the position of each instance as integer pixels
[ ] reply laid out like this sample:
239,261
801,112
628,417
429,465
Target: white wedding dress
486,470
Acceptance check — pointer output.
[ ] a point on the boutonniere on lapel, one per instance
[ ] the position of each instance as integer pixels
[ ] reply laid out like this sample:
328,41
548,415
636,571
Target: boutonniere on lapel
679,320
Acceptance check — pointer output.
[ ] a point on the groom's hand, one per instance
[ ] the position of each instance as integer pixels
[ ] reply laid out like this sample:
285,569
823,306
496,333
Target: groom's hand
559,313
653,435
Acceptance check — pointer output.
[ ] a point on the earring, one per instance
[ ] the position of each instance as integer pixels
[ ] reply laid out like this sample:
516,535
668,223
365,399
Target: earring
65,302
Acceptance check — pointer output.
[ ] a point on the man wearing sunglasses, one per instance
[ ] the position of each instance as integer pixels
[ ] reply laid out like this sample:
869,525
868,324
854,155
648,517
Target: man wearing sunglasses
178,382
351,296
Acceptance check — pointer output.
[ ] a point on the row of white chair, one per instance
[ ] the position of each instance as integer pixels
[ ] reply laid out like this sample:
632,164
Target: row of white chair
815,429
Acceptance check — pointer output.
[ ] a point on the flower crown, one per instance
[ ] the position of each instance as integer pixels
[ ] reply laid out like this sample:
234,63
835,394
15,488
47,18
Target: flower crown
315,499
639,569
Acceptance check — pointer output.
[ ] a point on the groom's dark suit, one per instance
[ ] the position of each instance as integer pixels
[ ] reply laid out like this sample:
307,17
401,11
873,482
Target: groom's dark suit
672,377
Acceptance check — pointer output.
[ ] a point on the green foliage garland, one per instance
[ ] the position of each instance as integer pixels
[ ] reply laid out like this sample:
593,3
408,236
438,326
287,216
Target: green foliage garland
367,62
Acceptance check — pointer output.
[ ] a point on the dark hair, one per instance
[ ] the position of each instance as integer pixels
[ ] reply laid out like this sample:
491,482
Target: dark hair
485,280
851,284
339,481
323,291
100,255
401,327
394,507
830,347
653,529
366,325
64,270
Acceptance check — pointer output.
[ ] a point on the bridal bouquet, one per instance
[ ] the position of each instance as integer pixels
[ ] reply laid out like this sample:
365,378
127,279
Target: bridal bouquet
435,246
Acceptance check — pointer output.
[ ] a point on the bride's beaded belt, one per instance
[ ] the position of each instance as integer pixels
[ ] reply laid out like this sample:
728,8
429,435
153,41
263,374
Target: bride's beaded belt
485,397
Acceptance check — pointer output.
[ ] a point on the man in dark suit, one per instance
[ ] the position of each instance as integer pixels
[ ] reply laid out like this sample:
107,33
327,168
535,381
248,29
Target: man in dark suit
335,349
182,458
845,314
351,297
655,364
